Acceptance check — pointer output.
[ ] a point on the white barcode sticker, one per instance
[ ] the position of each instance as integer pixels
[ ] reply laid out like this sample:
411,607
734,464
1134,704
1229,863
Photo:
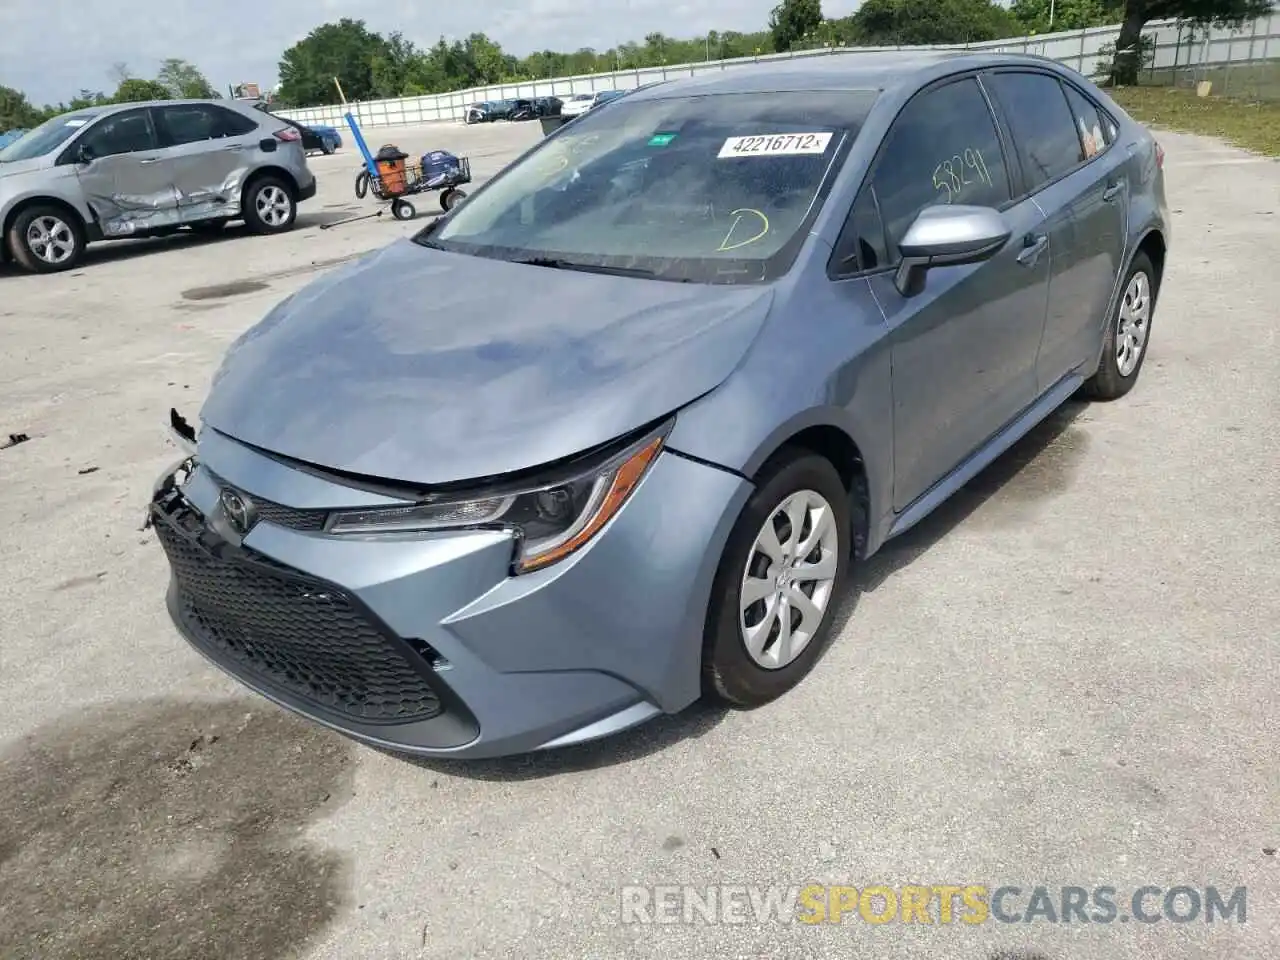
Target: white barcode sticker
75,123
775,145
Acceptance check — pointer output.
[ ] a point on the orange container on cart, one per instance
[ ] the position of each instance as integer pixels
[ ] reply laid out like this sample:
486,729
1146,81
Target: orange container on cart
392,170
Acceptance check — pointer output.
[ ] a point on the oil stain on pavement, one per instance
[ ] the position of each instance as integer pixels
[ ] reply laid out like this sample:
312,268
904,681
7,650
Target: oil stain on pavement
169,829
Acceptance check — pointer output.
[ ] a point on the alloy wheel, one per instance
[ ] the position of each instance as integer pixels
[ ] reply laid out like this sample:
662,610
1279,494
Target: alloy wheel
273,205
51,239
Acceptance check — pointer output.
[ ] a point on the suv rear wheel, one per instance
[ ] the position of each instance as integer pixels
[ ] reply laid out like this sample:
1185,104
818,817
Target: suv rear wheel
269,206
45,239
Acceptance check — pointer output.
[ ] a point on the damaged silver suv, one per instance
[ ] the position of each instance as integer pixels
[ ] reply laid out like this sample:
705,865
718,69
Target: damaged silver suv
146,169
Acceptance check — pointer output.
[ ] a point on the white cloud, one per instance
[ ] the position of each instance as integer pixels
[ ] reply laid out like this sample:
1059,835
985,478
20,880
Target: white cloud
241,40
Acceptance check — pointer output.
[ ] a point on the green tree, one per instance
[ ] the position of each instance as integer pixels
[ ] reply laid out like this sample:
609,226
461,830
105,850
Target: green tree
85,99
346,50
134,90
792,20
16,111
911,22
1137,13
184,81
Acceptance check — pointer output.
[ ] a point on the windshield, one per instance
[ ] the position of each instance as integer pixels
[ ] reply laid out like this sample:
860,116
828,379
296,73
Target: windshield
711,189
48,136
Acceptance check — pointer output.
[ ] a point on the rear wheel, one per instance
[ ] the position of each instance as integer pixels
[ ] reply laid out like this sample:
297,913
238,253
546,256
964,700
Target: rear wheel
451,198
778,582
46,239
1124,347
326,147
269,206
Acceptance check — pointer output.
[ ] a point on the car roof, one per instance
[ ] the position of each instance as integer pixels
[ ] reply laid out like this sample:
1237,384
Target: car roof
102,111
872,70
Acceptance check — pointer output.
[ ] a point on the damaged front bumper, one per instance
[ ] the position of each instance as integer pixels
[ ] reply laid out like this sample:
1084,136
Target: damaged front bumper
426,644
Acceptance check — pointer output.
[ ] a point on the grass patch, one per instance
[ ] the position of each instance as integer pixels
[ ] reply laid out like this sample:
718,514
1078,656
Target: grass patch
1252,124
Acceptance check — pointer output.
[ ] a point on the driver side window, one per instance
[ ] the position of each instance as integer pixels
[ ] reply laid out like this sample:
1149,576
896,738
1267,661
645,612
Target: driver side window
127,132
943,148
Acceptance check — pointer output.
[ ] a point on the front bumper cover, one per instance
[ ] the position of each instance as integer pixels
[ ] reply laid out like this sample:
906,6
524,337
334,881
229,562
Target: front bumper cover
337,628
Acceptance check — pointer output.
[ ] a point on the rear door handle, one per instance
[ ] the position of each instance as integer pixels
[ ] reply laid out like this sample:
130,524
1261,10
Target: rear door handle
1112,191
1032,247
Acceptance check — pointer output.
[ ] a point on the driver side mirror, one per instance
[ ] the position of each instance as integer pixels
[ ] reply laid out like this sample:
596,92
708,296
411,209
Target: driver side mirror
84,153
948,235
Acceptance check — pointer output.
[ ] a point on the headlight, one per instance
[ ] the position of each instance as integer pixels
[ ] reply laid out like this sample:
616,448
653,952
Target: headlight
551,518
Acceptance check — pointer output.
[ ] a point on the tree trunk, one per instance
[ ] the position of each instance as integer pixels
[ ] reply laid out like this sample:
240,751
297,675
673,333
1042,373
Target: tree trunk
1128,55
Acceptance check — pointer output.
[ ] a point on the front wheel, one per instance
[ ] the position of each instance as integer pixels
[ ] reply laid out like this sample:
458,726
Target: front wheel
1124,346
46,239
269,206
779,579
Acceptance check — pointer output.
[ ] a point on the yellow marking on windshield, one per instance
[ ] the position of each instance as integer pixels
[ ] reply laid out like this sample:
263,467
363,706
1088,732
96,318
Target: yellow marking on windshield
737,219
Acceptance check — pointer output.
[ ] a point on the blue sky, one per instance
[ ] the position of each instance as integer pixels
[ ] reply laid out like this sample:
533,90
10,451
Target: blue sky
241,40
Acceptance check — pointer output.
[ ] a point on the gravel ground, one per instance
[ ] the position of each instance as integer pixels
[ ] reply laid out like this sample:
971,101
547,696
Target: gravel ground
1065,677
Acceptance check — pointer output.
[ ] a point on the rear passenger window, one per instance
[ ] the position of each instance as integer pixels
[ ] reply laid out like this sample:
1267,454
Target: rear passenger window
1090,121
943,148
193,122
1044,131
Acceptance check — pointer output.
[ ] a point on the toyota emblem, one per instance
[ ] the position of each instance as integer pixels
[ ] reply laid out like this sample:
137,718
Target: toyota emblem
238,511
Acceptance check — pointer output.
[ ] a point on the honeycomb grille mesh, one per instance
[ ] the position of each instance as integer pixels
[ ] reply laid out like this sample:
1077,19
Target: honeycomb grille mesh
296,633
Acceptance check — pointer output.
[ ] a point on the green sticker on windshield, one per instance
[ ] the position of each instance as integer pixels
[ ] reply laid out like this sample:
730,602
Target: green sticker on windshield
661,139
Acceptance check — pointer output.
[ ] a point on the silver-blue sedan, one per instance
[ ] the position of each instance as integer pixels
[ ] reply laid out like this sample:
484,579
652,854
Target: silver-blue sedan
609,436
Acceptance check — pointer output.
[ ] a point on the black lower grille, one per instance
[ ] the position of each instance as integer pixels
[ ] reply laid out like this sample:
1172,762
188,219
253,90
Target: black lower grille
294,632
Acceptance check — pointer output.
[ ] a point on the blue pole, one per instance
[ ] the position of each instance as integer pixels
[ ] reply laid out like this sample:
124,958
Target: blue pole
364,147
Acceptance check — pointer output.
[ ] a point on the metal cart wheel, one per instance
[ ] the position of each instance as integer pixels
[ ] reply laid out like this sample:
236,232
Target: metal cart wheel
451,198
403,209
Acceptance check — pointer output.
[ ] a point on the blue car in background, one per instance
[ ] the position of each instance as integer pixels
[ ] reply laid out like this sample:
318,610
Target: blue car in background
315,138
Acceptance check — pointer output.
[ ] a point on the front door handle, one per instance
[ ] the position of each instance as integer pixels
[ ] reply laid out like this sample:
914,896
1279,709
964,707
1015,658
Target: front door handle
1112,191
1032,247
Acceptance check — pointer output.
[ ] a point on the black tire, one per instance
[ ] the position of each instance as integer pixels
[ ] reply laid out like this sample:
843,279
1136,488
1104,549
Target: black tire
730,674
403,209
70,231
1110,382
362,184
209,227
278,191
326,148
450,198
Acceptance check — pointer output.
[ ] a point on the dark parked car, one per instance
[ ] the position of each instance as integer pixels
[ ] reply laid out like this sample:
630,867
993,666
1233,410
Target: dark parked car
548,106
703,351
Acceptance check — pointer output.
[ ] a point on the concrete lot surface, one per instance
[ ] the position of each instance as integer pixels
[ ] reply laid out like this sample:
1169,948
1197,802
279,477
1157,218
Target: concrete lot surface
1066,677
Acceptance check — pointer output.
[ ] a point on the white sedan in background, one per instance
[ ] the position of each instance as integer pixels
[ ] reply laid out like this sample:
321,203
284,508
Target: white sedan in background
580,103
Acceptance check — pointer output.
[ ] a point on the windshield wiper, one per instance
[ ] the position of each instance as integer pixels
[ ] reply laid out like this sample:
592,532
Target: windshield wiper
555,263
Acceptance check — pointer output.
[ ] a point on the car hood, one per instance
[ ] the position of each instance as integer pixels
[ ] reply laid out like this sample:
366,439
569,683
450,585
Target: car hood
427,367
13,168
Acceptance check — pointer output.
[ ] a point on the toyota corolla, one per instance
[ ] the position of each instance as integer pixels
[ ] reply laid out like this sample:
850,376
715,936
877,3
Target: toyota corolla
609,436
